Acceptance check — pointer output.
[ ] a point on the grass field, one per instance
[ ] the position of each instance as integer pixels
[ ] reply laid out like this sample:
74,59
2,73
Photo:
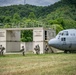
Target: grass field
45,64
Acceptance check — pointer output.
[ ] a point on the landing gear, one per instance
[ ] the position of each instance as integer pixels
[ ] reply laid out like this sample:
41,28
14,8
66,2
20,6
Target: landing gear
67,51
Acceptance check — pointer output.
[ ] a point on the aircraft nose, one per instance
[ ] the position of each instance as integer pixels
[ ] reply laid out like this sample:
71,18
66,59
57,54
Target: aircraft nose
53,43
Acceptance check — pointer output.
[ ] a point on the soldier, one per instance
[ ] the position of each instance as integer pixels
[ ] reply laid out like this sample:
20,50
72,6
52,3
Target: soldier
46,49
37,49
23,51
2,50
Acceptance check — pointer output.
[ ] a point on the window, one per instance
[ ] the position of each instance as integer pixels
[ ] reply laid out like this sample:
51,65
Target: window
65,33
63,39
45,35
73,34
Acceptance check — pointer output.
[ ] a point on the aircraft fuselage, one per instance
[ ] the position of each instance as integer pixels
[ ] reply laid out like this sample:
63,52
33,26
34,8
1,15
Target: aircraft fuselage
65,40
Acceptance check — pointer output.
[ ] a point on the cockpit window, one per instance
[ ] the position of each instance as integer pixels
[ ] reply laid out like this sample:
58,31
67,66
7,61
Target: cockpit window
72,34
64,33
60,33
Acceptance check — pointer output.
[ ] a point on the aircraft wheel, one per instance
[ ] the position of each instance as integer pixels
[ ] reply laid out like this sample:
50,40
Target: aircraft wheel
65,51
70,52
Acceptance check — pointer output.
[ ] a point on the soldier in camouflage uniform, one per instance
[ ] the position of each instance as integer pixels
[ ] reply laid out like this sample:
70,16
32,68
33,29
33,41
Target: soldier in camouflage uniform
23,51
46,49
37,49
1,50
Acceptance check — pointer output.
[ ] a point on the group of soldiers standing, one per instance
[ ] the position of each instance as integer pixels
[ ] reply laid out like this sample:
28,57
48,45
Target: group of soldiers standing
37,49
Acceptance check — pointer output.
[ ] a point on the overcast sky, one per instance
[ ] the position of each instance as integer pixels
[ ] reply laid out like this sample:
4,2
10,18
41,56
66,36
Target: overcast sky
32,2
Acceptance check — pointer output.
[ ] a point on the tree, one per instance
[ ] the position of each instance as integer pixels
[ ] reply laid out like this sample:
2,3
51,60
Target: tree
69,1
26,36
69,24
2,19
57,27
7,25
16,18
7,19
32,16
53,22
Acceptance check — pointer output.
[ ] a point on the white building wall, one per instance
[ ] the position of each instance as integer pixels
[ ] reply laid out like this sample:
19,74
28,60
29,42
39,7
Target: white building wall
12,41
12,46
38,35
2,35
38,38
12,35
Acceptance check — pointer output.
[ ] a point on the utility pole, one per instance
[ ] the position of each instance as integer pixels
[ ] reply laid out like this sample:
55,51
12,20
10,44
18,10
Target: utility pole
24,2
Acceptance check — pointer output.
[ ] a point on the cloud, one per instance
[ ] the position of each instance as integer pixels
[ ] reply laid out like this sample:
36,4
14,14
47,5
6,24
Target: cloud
10,2
32,2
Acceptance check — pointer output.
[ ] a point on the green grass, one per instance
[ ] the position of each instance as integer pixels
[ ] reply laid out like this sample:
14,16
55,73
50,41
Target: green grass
31,64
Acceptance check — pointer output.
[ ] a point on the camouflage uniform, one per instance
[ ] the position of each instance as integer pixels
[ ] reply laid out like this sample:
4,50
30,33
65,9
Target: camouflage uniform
1,50
23,51
37,49
46,49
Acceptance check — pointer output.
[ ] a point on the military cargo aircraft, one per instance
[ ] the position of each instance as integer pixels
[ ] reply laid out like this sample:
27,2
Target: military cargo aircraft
65,40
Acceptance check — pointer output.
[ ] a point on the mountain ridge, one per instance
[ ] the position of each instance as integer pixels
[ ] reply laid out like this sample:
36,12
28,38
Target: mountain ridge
64,9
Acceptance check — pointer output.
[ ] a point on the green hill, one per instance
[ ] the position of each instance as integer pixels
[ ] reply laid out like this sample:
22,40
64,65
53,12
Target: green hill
62,13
